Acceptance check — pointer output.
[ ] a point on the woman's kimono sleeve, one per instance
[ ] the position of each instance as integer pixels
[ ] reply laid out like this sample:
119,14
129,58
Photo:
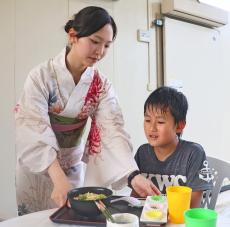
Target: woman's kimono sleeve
36,142
115,161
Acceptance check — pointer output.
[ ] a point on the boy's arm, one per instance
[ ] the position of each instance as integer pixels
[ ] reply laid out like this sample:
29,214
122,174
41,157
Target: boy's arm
196,199
142,187
139,184
134,194
198,162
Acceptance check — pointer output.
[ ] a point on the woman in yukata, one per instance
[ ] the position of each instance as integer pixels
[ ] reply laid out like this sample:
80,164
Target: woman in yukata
58,98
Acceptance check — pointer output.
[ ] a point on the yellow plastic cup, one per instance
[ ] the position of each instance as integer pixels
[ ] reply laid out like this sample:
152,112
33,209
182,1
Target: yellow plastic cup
179,198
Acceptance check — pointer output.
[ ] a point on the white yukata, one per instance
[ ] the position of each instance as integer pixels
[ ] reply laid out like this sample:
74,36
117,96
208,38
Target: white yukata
50,119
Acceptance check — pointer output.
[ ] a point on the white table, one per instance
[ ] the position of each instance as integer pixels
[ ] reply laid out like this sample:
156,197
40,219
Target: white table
41,219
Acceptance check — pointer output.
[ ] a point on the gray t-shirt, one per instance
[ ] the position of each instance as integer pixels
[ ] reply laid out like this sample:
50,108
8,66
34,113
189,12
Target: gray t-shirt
186,166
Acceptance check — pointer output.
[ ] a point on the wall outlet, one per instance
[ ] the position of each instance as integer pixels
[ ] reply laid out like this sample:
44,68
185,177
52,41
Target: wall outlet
143,35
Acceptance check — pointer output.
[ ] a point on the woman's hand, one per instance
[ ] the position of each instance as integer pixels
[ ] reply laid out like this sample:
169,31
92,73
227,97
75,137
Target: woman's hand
60,190
144,187
61,183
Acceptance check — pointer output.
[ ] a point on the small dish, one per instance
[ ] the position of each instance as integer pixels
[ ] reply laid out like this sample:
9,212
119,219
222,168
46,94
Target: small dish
155,210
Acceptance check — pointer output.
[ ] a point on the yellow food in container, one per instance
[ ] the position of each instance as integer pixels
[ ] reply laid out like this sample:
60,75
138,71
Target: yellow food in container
153,214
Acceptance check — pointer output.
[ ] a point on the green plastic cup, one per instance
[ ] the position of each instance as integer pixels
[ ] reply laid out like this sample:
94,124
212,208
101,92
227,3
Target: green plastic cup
200,217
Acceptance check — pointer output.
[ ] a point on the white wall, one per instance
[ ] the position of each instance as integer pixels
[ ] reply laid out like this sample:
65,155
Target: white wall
7,96
32,31
39,29
131,65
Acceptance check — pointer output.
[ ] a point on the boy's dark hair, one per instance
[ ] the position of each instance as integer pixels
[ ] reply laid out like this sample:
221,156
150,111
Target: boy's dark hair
89,20
168,98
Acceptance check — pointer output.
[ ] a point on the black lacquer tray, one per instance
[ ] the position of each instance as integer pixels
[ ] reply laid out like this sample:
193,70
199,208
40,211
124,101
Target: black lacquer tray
67,215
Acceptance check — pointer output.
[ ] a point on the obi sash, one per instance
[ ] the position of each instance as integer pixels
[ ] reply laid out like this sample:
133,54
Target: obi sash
68,131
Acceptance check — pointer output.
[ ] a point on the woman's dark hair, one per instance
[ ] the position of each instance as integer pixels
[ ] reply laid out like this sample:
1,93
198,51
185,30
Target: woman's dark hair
168,98
89,20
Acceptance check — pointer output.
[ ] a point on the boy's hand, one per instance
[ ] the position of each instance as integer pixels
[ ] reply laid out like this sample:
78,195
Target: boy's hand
144,187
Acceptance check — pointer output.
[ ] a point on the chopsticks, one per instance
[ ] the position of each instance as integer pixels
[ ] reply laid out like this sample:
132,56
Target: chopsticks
101,206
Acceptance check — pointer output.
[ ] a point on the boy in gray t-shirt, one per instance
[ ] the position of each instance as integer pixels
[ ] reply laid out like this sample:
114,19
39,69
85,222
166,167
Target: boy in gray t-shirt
167,159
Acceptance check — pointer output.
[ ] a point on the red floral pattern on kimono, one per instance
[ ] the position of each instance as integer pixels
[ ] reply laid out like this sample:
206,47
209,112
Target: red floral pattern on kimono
93,144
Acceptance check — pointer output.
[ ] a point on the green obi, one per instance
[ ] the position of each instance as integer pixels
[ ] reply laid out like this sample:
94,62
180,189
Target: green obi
68,131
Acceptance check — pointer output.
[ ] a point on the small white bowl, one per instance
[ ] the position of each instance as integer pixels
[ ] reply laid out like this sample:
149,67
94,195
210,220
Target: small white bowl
124,220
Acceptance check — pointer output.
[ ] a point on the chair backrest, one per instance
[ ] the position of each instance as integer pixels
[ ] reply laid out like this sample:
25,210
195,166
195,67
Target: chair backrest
220,170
